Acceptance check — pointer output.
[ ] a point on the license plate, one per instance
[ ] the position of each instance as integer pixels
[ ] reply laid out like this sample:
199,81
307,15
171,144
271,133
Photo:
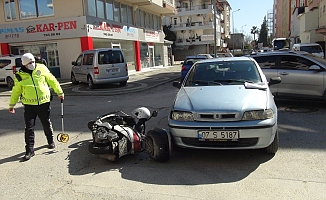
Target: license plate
218,135
113,70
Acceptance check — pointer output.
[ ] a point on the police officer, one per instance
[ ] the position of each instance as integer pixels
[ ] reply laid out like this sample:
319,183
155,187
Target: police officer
32,83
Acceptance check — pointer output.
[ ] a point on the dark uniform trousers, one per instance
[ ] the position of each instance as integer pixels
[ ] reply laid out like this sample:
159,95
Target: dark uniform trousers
43,113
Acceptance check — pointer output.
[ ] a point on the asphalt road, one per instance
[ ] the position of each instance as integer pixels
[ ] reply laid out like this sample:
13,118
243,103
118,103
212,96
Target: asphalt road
296,171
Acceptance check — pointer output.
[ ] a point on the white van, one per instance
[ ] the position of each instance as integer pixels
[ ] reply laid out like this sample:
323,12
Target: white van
100,66
313,48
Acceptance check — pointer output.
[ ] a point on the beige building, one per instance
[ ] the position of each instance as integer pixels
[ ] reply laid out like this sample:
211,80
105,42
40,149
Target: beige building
307,20
59,30
194,27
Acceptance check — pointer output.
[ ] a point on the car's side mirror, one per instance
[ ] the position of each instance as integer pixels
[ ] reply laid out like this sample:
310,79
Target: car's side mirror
181,63
274,80
176,84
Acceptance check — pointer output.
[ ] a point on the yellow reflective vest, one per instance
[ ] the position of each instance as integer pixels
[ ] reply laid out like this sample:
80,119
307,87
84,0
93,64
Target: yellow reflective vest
33,89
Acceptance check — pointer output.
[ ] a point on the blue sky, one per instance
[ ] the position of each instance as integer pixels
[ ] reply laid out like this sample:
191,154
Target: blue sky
251,13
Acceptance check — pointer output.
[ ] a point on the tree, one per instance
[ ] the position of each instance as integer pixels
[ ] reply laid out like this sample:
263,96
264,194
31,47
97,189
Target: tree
254,31
169,35
263,33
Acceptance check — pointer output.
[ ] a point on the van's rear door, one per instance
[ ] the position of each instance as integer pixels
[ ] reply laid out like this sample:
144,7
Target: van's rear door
112,64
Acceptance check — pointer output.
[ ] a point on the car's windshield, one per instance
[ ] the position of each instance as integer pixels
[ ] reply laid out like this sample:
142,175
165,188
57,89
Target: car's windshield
223,73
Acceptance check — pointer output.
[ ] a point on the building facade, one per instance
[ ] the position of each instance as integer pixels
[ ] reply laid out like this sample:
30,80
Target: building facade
195,29
60,30
307,21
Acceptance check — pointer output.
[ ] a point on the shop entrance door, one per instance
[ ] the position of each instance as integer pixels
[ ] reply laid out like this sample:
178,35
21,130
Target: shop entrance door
151,56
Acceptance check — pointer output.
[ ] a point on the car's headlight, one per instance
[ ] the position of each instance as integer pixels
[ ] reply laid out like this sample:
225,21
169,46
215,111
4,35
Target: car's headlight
258,114
182,116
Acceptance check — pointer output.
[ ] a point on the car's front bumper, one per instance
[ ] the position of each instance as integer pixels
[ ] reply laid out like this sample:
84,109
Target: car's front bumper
252,135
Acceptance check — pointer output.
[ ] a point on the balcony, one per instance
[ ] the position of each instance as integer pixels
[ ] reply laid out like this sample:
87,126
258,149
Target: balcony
195,10
200,40
192,26
164,7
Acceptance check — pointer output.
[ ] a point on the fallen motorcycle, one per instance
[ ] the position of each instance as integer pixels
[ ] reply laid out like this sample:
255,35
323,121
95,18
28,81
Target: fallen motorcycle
117,134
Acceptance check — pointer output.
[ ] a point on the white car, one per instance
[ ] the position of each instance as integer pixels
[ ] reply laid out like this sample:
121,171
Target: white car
225,103
8,67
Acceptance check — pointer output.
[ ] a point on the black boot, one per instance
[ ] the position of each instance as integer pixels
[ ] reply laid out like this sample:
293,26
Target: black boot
28,155
51,146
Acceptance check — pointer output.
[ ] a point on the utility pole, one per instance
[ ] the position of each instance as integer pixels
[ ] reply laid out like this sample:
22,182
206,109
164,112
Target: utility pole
232,36
214,7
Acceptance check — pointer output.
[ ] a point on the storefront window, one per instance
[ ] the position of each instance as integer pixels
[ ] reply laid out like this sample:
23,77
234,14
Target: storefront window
35,8
126,46
129,52
47,51
158,52
144,55
10,10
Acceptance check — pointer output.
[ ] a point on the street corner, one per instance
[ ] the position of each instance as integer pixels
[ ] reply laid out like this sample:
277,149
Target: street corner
138,81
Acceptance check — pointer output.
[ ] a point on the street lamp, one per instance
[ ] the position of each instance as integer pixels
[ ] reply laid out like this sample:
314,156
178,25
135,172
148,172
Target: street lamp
233,29
242,36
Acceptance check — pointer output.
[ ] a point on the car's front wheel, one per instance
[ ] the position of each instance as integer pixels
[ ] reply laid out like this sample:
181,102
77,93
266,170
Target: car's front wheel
10,82
273,147
73,79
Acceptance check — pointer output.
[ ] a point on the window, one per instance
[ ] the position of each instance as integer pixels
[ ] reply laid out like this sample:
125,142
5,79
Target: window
142,17
35,8
10,10
91,8
130,14
88,59
124,16
302,3
109,9
79,60
266,62
100,8
116,10
295,62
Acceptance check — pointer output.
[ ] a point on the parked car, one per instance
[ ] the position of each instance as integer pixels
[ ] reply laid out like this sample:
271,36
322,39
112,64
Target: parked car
313,48
208,56
225,103
100,66
187,64
303,74
8,67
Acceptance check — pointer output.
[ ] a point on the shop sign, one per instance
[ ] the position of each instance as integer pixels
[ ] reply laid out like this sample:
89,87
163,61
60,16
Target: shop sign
48,29
152,36
114,31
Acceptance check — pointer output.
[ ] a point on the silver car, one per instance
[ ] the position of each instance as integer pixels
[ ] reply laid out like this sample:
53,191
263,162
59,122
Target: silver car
225,103
303,75
100,66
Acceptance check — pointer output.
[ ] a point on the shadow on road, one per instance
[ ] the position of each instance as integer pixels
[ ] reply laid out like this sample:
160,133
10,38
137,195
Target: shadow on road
186,167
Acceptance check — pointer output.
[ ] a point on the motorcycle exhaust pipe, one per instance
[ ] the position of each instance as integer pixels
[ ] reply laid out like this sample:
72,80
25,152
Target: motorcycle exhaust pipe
62,137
